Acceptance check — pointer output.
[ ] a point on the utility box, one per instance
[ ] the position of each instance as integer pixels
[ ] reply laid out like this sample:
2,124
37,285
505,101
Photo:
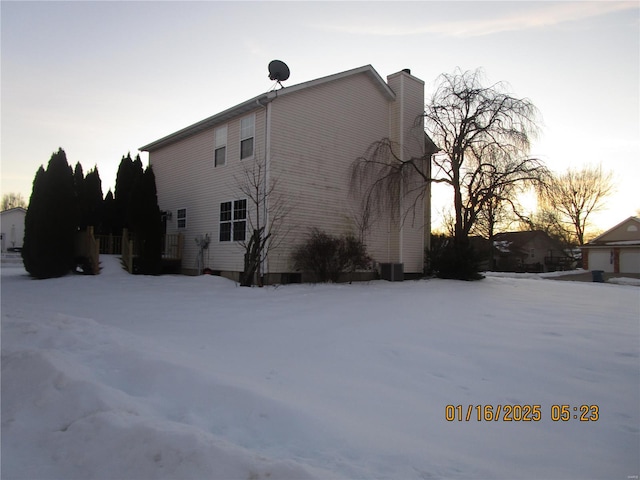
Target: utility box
393,272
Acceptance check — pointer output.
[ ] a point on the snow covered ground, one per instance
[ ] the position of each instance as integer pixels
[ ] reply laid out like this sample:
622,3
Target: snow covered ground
136,377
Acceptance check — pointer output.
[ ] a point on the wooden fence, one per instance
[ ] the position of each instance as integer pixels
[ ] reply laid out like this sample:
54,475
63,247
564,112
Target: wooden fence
172,245
110,244
127,251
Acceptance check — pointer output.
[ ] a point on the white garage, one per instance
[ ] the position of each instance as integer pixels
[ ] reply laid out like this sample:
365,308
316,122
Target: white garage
615,251
601,259
630,260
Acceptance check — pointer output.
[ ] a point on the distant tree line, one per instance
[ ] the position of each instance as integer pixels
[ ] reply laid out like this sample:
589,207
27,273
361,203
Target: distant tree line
12,200
65,201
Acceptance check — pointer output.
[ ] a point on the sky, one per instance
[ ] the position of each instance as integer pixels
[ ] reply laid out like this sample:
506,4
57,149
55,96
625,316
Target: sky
101,79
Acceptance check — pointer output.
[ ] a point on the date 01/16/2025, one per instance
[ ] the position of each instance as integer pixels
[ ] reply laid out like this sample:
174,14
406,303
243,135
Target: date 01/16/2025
520,413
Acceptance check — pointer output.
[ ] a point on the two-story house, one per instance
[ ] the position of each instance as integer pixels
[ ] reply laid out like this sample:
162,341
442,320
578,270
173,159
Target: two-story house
529,251
305,139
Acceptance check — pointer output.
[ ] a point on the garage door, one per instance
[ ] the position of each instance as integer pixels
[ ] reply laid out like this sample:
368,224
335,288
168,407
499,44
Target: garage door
630,261
600,260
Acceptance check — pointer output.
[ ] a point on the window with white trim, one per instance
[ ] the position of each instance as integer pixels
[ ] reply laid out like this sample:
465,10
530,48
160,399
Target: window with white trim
233,221
247,132
220,146
181,217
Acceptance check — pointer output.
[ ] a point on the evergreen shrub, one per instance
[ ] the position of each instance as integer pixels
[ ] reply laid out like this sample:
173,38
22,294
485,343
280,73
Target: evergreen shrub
329,256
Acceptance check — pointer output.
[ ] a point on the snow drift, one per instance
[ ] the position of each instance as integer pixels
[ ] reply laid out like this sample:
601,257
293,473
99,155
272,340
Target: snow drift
131,377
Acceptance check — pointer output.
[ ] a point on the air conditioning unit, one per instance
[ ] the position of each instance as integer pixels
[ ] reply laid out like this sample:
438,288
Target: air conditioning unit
393,272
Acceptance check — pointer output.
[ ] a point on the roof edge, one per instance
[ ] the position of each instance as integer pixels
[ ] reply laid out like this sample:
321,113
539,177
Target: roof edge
14,208
261,100
239,109
635,219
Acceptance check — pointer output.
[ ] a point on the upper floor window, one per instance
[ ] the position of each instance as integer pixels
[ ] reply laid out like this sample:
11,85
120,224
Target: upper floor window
220,146
181,217
247,133
233,221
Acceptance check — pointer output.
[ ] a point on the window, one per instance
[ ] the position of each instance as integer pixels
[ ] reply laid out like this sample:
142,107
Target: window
532,252
181,216
233,221
220,146
247,131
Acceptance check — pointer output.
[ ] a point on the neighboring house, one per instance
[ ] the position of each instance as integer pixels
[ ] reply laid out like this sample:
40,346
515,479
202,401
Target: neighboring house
306,137
615,251
12,225
529,251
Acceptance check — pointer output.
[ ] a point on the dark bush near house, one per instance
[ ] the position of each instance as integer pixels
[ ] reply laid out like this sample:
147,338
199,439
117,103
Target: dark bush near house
328,257
448,259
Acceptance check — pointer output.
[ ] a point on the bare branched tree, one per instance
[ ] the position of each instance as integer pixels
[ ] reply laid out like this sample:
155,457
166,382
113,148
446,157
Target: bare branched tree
383,178
485,136
13,200
267,210
482,136
548,220
575,195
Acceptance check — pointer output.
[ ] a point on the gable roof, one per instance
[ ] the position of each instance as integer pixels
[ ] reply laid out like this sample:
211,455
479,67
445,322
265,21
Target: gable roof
515,241
521,237
602,238
14,209
262,100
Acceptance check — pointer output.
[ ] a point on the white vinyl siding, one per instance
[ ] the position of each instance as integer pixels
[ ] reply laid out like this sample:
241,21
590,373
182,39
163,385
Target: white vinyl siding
247,134
316,136
220,146
185,178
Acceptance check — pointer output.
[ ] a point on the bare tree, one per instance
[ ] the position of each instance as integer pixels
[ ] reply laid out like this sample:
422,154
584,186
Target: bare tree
363,218
383,178
485,136
482,136
548,220
267,210
13,200
575,195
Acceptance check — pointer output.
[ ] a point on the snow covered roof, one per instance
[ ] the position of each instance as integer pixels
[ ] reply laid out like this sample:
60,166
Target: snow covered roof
612,244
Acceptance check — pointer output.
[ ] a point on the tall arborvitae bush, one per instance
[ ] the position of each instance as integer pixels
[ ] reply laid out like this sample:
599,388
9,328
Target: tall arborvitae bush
108,215
32,225
146,223
93,207
129,173
51,220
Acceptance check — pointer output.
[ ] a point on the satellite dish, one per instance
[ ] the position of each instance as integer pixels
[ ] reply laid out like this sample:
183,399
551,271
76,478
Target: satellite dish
278,71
